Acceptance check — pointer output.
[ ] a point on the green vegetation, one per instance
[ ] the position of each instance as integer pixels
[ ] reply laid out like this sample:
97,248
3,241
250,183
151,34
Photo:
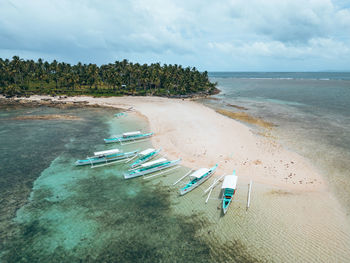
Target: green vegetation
26,77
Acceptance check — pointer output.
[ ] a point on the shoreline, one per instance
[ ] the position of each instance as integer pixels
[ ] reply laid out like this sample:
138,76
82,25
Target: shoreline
286,222
225,141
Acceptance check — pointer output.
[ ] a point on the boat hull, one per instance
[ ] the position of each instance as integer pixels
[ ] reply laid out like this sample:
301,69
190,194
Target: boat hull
225,205
152,170
126,139
186,189
227,199
105,159
144,159
120,114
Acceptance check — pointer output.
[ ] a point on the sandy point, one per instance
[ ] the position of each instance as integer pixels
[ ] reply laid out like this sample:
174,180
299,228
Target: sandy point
203,137
294,217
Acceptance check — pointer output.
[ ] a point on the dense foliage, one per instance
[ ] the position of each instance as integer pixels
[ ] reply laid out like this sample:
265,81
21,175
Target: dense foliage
26,77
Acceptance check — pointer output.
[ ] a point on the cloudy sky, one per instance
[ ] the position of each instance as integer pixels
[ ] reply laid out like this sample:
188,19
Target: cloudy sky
219,35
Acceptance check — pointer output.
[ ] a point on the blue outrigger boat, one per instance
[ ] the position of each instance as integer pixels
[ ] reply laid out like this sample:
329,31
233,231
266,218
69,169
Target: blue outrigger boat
123,113
151,167
197,178
128,136
145,156
104,157
120,114
228,190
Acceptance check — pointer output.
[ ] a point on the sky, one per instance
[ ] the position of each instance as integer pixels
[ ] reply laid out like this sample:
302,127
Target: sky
219,35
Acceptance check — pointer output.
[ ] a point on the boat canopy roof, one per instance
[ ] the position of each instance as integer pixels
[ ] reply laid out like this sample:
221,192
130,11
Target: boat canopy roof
147,151
160,160
199,173
230,181
127,134
106,152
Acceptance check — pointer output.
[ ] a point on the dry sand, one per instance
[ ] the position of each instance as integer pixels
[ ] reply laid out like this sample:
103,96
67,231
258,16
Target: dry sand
202,137
293,216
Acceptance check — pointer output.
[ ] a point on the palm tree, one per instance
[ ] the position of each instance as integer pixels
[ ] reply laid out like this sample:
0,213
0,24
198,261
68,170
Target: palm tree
121,77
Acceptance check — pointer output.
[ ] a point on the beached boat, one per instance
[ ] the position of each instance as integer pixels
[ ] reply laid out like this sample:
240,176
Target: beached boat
128,136
108,156
228,190
197,178
145,156
151,167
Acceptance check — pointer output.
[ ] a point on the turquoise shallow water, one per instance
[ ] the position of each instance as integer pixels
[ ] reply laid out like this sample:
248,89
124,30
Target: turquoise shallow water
311,111
52,211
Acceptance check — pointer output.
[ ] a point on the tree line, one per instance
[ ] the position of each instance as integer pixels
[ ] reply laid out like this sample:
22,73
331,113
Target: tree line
27,77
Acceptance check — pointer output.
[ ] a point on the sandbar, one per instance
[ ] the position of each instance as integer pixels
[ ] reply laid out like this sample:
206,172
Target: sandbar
202,137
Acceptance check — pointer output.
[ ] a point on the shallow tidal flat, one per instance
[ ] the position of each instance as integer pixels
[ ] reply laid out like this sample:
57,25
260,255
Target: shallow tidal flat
79,213
47,117
279,226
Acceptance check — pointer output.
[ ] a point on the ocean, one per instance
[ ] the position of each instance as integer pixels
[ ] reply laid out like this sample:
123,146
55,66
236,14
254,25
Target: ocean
311,112
53,211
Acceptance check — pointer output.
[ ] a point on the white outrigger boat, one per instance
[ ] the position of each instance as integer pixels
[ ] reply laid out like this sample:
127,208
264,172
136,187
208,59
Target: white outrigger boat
144,156
120,114
128,136
123,113
228,190
197,178
106,157
151,167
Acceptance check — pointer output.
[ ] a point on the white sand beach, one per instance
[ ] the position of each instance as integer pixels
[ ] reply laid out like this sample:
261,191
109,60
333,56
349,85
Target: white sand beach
294,216
203,137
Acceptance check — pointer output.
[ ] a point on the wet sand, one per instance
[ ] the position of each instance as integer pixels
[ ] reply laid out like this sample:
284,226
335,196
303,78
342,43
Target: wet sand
47,117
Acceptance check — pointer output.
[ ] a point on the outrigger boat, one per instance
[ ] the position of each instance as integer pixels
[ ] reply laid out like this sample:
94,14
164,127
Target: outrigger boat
120,114
128,136
151,167
228,190
197,178
109,156
144,156
123,113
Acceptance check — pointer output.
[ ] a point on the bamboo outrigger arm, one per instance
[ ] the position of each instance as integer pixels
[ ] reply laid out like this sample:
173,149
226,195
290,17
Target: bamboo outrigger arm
182,177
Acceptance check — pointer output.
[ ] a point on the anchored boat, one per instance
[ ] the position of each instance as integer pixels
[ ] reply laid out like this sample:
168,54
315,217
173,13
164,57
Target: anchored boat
197,178
123,113
128,136
109,156
228,188
120,114
145,156
151,167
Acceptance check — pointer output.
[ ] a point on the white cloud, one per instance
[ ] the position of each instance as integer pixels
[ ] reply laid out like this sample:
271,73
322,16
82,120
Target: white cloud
315,47
178,31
